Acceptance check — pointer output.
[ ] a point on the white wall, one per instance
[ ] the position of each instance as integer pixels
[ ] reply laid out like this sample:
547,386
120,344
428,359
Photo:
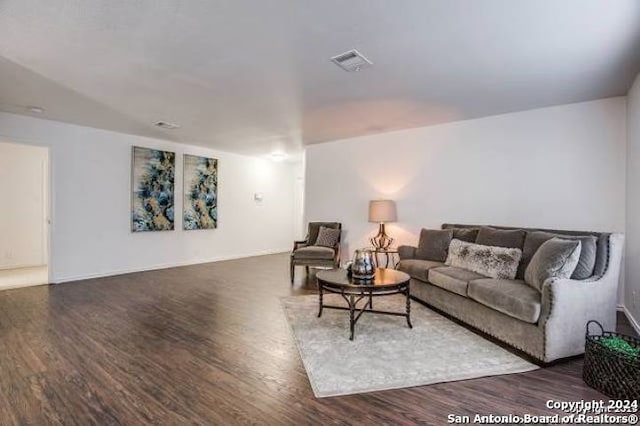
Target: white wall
23,197
632,282
90,174
299,228
559,167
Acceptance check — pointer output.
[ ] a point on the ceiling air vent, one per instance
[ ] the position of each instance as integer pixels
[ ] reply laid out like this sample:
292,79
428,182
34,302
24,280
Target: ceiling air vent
351,61
166,125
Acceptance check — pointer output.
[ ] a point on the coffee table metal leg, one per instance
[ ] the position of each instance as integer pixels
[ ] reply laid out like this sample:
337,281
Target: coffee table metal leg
370,300
320,305
408,308
352,320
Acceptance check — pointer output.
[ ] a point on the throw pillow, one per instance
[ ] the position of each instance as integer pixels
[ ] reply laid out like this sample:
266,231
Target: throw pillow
494,262
586,263
328,237
465,234
511,238
314,229
433,244
556,258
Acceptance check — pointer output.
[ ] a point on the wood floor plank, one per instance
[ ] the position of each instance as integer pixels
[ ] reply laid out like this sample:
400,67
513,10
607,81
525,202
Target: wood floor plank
209,344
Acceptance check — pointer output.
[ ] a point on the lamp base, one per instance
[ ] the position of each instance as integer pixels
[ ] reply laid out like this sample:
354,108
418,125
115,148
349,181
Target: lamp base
381,241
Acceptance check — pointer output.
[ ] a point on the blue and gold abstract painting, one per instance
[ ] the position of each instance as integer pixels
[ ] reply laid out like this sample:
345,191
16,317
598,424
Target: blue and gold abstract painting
200,192
153,183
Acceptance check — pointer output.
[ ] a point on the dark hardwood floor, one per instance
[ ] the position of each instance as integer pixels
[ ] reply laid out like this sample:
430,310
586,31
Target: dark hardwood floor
209,344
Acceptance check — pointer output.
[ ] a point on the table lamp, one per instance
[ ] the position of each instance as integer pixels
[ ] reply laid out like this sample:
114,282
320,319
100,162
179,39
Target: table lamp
382,211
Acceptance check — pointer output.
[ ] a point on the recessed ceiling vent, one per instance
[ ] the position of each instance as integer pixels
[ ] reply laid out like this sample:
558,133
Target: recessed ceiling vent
167,126
351,61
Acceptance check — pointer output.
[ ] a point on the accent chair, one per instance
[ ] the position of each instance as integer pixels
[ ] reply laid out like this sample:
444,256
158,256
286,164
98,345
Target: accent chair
306,253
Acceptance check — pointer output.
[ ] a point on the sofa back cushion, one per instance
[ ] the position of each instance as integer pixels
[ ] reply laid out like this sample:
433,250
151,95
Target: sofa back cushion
501,237
466,234
586,263
602,246
556,258
491,261
433,244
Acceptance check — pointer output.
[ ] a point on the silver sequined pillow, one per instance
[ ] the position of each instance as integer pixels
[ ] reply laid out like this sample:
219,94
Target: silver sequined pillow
494,262
327,237
556,258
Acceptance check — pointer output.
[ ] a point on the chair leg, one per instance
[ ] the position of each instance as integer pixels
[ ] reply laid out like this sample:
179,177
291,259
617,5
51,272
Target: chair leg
291,270
307,269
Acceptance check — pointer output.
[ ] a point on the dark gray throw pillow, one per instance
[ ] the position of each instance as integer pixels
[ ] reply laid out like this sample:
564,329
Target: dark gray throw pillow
586,263
327,237
434,244
510,238
556,258
465,234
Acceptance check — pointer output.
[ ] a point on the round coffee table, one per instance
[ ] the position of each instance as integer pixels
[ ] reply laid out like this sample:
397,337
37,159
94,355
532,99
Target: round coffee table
386,282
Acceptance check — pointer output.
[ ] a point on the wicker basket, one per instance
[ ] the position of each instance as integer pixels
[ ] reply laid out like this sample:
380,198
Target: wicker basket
612,372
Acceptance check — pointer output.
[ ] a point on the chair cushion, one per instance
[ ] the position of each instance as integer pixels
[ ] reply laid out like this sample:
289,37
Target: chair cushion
586,262
453,279
510,238
511,297
417,268
434,244
313,252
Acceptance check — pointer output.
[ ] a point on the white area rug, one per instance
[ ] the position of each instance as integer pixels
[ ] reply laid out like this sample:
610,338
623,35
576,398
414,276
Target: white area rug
385,353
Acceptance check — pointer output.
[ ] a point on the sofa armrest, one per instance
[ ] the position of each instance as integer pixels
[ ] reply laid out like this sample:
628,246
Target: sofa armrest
406,252
567,306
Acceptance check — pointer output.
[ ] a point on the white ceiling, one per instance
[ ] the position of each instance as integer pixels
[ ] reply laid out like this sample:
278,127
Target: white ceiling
254,76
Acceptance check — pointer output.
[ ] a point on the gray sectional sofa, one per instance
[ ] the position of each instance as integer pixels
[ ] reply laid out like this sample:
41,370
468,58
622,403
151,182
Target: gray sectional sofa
547,325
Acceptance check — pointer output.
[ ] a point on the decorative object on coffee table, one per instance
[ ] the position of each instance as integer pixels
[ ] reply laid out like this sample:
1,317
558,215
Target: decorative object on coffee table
381,212
612,363
363,267
386,282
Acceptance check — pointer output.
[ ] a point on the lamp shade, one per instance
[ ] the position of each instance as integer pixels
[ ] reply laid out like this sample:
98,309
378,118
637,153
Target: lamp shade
382,211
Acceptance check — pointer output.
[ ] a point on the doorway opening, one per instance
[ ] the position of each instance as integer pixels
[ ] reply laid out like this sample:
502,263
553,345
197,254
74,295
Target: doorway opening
24,215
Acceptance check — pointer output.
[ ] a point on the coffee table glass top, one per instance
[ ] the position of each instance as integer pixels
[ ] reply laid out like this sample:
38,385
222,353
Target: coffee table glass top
383,278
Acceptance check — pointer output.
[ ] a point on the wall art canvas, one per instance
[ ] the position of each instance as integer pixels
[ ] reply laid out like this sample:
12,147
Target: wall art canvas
153,185
200,210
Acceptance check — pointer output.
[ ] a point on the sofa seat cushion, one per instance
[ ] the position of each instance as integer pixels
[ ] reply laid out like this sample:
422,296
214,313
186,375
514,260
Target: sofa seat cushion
417,268
512,297
314,252
453,279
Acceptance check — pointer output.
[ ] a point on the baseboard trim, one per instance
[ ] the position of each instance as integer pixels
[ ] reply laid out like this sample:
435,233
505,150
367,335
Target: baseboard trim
634,323
166,266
